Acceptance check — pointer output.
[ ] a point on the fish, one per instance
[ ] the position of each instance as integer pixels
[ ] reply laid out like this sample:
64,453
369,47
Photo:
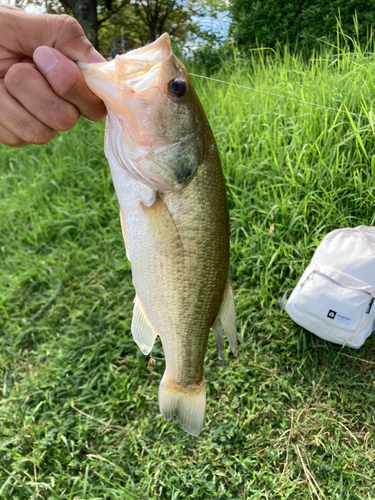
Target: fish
167,175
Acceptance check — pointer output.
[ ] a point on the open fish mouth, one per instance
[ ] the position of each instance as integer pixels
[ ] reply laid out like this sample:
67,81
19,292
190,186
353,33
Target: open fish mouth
136,71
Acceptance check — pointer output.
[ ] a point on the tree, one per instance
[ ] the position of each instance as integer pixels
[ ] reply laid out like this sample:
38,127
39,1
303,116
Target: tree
300,23
157,14
85,11
138,22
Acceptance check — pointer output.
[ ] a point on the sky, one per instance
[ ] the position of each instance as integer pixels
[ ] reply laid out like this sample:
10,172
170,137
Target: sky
33,9
219,25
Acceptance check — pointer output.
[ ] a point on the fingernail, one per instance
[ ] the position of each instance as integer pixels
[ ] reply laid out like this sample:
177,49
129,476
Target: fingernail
45,59
95,57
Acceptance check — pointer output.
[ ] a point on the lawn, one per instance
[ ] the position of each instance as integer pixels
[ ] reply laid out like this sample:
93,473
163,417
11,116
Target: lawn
292,416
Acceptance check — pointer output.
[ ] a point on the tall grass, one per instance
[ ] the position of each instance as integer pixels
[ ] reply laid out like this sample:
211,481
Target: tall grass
292,415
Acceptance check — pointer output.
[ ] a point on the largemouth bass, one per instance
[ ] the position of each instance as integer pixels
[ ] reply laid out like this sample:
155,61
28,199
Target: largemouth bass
174,216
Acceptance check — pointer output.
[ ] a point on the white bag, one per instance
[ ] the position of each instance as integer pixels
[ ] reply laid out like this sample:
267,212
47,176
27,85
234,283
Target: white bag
335,295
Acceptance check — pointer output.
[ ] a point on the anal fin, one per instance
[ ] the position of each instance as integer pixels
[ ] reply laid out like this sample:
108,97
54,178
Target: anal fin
226,320
142,331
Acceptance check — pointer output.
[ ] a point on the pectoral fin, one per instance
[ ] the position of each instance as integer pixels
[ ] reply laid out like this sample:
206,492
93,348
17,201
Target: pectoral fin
142,331
123,227
161,226
226,320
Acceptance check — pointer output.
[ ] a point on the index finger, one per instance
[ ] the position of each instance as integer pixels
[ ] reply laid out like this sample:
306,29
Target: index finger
22,33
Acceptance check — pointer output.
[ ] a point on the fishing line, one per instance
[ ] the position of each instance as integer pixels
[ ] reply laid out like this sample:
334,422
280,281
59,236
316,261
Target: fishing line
284,97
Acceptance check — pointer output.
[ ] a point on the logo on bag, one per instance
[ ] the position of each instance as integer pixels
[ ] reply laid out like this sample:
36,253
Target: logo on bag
345,319
331,314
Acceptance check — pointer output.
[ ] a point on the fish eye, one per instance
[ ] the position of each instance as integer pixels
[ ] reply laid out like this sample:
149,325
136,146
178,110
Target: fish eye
177,88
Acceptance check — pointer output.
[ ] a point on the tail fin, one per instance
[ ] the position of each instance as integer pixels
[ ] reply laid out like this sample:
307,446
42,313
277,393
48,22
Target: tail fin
187,403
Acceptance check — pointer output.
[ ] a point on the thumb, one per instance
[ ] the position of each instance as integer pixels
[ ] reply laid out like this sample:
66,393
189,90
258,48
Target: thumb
22,33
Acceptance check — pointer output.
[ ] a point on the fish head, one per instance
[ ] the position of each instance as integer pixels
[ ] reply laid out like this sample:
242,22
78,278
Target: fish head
156,126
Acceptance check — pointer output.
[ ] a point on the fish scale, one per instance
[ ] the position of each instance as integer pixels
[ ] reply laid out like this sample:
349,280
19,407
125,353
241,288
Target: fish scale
201,215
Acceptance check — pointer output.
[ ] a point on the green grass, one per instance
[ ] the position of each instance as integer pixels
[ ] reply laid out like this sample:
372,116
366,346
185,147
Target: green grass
292,417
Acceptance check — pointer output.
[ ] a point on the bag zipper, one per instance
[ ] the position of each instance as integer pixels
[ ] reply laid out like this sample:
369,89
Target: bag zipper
336,283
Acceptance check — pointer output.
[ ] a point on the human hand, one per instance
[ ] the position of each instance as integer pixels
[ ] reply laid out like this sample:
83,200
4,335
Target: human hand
42,90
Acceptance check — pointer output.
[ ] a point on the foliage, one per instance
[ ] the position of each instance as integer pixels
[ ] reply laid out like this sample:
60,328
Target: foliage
123,24
292,414
299,23
134,24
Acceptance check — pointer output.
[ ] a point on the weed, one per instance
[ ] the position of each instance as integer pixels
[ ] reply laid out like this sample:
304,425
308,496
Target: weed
292,415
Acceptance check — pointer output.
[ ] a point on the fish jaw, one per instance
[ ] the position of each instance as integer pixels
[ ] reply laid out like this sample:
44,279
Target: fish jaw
130,73
159,140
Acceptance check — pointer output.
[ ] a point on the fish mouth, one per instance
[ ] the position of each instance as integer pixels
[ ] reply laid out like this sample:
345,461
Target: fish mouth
135,71
153,52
